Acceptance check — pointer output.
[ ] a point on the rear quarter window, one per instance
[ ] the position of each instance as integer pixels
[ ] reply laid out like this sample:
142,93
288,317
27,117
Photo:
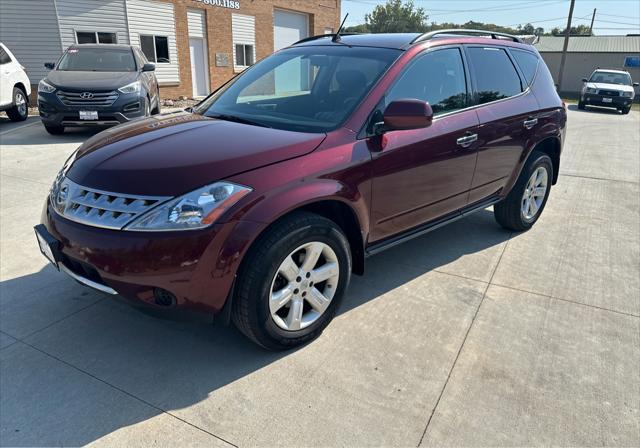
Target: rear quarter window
494,73
528,63
4,56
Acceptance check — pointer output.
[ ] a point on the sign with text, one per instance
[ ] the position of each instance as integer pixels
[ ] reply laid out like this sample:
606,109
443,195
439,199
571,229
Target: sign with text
231,4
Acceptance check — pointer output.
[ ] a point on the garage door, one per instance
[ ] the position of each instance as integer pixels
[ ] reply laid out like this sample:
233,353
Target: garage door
289,27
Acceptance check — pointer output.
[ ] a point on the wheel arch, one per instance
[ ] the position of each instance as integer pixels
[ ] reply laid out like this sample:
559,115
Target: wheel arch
22,87
551,147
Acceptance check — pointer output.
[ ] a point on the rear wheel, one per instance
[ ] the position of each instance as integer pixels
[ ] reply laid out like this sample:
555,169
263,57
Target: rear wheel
293,282
20,109
524,204
54,130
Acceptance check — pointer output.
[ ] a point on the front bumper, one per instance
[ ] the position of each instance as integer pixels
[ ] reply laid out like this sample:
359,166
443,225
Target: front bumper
125,108
594,99
197,267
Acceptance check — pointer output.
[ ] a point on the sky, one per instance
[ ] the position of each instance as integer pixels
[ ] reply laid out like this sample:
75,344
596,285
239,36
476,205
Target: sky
612,16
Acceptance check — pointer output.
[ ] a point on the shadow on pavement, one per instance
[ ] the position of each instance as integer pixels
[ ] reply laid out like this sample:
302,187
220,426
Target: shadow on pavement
605,110
37,134
173,365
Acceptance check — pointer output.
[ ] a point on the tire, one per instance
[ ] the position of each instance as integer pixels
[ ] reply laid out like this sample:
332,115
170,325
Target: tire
147,107
261,280
54,130
625,110
580,105
20,109
156,110
510,213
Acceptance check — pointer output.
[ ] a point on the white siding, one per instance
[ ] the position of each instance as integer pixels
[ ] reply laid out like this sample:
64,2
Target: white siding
30,31
196,23
91,15
244,32
288,27
155,18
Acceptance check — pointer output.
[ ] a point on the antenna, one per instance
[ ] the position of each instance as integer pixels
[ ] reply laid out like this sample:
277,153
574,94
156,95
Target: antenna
336,37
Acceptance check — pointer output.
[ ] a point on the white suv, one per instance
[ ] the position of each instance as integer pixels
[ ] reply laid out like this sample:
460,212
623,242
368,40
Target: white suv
15,87
608,88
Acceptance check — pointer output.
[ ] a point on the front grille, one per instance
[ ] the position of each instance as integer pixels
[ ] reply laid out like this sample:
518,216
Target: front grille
608,92
99,208
88,98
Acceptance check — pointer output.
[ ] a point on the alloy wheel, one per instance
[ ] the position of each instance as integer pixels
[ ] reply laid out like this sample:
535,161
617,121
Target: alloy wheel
534,193
21,104
304,286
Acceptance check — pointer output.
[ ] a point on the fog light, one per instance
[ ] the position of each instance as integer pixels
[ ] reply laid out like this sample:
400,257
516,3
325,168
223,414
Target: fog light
163,297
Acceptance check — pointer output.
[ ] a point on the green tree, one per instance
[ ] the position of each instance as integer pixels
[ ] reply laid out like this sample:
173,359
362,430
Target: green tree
580,30
397,16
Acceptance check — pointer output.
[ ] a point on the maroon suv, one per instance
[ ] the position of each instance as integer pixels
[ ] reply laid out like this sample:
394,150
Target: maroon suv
258,204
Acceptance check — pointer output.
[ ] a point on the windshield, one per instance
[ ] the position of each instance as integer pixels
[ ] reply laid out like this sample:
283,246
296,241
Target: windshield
97,60
611,78
308,89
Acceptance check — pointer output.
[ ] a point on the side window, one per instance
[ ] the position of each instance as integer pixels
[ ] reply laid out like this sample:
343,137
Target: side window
4,57
496,77
528,63
436,77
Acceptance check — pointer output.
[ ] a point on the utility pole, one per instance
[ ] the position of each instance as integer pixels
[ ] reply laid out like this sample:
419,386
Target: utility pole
593,18
566,44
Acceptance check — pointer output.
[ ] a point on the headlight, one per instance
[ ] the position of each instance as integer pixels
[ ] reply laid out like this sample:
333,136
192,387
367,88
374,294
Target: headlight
57,198
134,87
626,94
194,210
591,90
45,87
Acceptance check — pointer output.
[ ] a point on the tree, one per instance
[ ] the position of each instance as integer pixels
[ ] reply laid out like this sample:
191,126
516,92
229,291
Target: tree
580,30
397,16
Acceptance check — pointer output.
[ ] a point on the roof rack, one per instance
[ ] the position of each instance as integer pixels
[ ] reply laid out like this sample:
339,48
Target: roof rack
320,36
493,34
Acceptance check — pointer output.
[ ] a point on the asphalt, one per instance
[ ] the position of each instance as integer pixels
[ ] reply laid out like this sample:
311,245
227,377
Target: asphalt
470,335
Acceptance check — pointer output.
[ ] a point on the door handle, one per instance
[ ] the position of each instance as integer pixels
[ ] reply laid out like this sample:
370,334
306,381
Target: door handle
467,140
531,122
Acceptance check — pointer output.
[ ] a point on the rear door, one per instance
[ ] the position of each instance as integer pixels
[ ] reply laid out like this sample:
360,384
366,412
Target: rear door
508,115
424,174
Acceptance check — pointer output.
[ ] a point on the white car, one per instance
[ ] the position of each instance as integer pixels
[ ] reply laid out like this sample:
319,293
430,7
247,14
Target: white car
608,88
15,86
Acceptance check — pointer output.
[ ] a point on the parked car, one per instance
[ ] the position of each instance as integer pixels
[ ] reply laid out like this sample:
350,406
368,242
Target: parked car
97,85
260,204
608,88
15,87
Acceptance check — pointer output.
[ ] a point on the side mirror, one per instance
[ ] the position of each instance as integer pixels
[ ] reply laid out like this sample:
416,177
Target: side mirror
636,84
148,67
50,65
584,79
404,115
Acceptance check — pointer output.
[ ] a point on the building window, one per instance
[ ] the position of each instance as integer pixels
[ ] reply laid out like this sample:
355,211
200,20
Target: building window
155,48
95,37
244,55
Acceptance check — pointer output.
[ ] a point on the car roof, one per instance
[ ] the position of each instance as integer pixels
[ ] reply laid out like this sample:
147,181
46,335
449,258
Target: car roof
611,70
112,46
402,41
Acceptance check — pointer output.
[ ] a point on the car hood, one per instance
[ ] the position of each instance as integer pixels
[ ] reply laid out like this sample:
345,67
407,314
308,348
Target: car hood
78,81
606,86
171,154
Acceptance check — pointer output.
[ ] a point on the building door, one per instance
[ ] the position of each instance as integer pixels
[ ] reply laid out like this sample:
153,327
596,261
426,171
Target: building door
198,66
288,28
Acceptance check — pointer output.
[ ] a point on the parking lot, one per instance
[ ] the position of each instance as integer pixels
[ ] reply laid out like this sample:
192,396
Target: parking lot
470,335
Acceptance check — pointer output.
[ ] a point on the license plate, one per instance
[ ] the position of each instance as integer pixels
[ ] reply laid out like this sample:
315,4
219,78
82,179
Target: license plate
48,244
606,100
88,114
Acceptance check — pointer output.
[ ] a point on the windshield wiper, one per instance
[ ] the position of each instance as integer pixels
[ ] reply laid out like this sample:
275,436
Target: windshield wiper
237,119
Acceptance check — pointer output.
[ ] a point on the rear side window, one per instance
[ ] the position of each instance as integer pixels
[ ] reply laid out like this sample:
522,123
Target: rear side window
436,77
4,57
496,77
528,63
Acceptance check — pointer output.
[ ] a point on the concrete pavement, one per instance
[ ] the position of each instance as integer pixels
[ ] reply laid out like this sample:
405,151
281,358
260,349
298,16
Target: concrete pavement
469,335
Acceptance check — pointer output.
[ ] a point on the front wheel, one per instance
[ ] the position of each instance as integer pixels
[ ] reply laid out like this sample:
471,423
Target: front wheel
292,281
20,109
581,105
524,204
625,110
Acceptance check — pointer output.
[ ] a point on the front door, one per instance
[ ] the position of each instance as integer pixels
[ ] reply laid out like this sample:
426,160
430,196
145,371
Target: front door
423,174
199,67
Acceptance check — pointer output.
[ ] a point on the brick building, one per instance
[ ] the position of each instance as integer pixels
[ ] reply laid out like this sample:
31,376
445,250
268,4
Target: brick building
196,45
